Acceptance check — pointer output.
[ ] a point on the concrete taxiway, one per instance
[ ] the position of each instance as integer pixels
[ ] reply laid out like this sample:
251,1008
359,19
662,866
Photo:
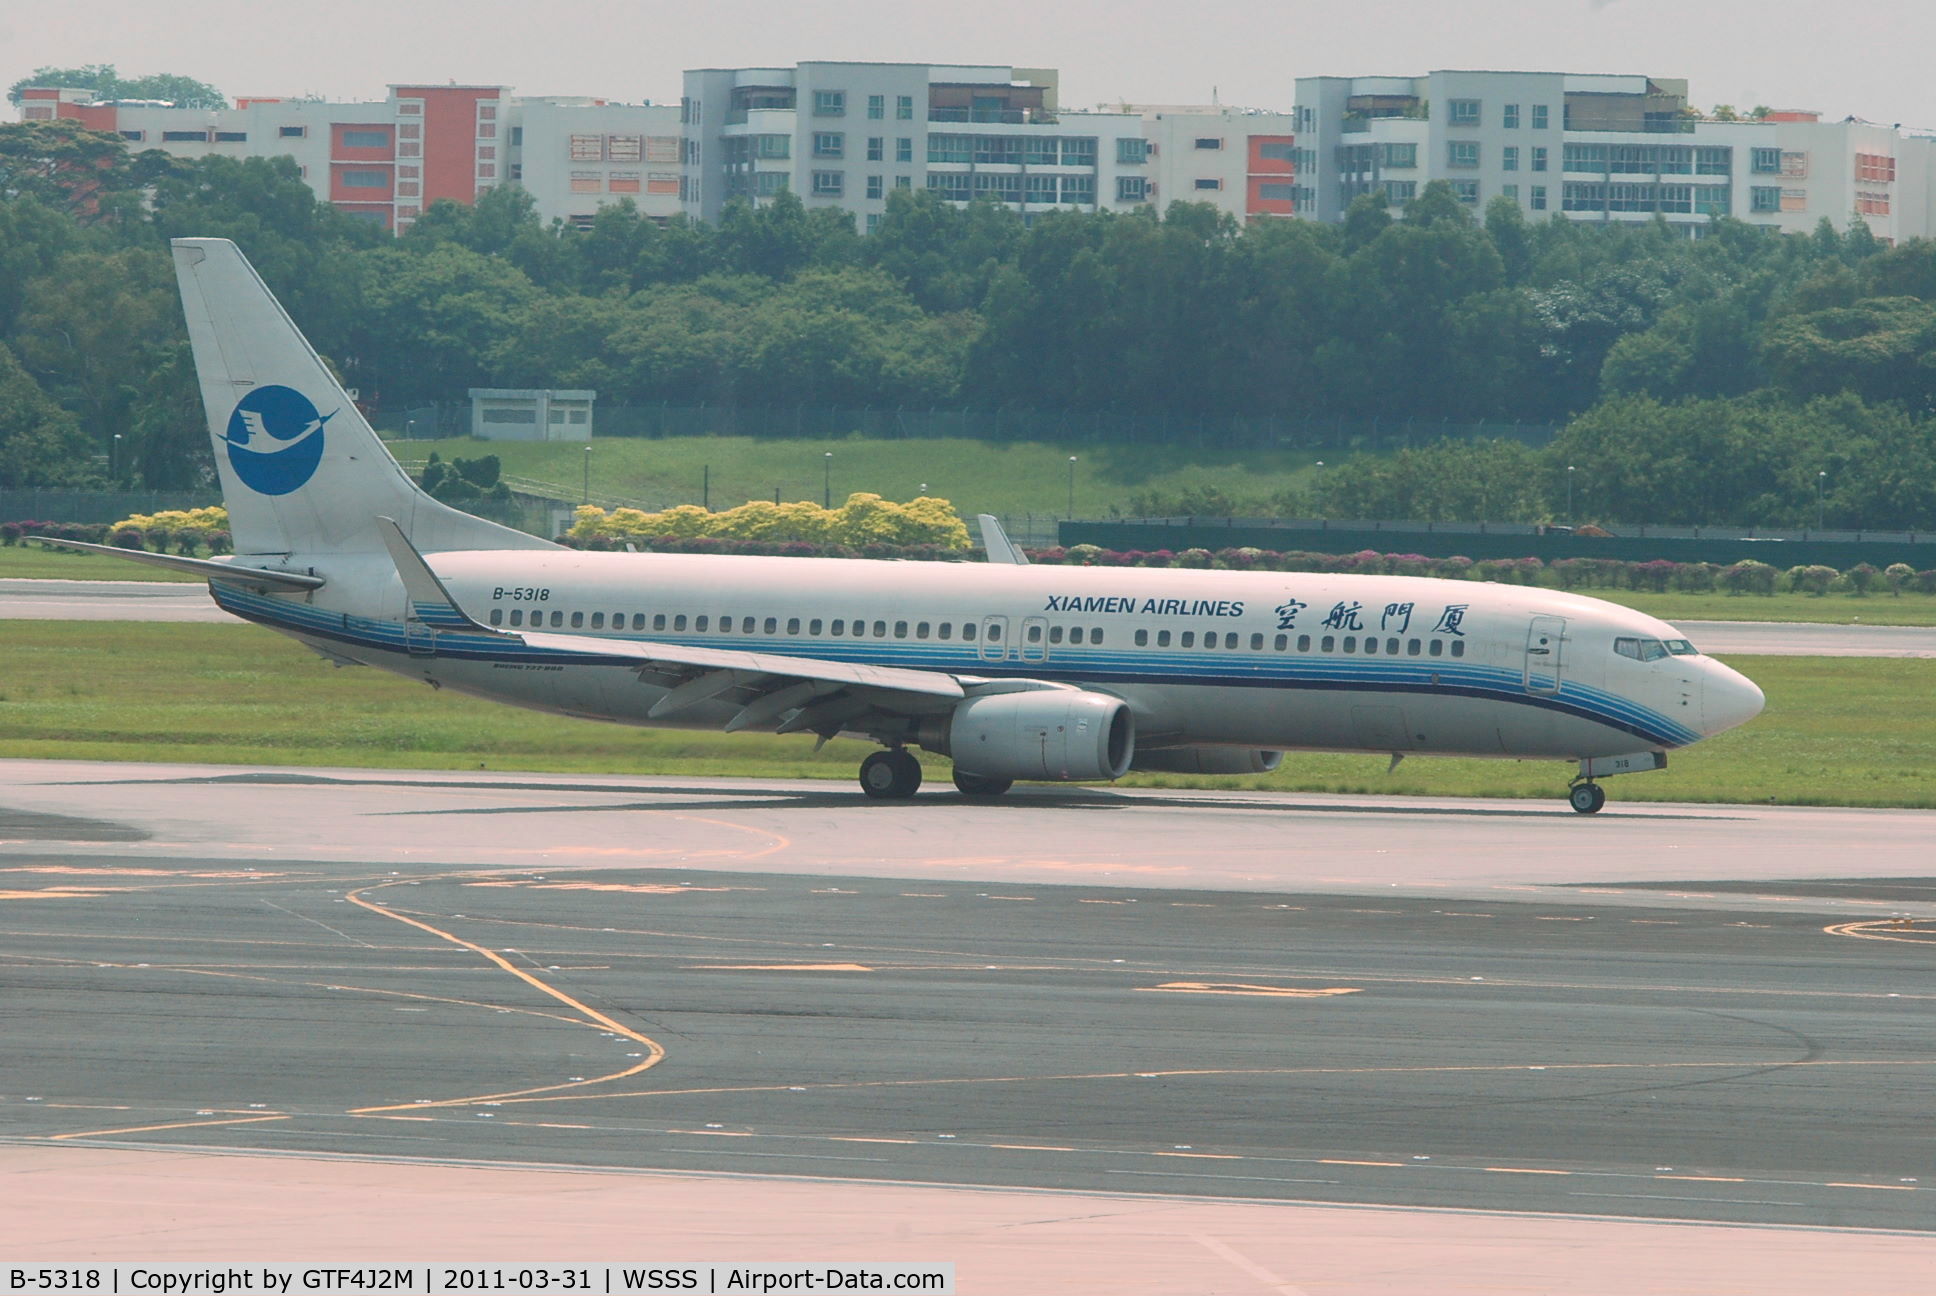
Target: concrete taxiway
1706,1014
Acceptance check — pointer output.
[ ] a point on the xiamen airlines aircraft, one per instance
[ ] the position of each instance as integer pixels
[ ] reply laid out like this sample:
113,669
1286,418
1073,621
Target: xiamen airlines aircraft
1014,671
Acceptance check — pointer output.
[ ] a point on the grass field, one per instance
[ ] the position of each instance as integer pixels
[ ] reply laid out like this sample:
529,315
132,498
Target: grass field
38,562
1837,731
1012,479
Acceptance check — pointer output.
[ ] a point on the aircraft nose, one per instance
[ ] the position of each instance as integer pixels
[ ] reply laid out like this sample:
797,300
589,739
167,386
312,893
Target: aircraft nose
1729,699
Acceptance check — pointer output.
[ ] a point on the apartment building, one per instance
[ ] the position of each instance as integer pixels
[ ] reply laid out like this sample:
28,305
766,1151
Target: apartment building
1605,148
1239,160
845,135
387,160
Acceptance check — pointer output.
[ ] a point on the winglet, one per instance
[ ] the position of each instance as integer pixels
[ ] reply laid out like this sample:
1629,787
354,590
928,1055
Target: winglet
995,541
430,603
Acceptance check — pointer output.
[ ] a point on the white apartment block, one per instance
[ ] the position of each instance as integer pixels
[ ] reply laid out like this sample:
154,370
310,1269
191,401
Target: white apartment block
1603,148
1239,160
385,161
845,135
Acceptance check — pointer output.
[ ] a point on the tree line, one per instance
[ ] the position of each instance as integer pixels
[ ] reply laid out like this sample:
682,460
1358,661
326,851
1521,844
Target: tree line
1742,377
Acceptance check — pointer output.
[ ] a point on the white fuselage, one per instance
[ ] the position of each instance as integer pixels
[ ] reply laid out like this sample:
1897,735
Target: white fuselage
1266,660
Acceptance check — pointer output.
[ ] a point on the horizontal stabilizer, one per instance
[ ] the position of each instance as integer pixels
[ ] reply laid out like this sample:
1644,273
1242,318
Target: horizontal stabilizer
213,569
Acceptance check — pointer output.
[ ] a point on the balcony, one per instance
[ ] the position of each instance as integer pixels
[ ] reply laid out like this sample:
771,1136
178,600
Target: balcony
994,116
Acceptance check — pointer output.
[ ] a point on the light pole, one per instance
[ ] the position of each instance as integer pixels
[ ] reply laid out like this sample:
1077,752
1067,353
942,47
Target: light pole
1569,494
1320,488
410,429
1821,480
827,481
586,490
1072,488
114,458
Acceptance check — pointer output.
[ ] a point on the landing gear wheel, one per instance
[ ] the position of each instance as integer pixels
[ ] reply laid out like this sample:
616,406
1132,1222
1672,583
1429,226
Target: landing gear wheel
1587,798
974,785
890,775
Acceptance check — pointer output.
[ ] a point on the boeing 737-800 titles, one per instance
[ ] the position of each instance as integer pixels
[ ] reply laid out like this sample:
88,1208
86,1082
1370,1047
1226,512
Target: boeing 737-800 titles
1013,671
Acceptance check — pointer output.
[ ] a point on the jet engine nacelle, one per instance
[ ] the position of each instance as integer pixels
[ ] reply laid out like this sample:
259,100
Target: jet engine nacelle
1209,760
1056,734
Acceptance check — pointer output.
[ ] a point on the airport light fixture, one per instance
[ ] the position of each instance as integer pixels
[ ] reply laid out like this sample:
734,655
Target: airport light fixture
1821,481
1072,488
1569,494
586,489
827,481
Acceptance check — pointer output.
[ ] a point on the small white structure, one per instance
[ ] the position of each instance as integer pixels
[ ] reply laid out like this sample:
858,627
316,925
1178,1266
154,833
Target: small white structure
511,414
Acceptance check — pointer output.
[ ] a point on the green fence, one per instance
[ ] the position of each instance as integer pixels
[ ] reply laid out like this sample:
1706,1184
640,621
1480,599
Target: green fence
1840,550
94,506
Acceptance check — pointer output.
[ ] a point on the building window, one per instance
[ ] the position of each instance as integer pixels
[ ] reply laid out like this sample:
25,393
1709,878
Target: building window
1464,112
830,103
625,148
1466,191
1764,198
1276,151
769,183
904,108
874,188
1400,192
517,137
370,139
1539,198
1509,116
876,107
1796,200
829,184
1203,183
1539,159
487,130
487,112
903,182
586,182
183,137
904,148
1397,157
1277,191
138,136
1875,168
773,146
588,148
829,144
1510,191
365,179
621,182
1128,188
1713,161
1867,202
876,148
1765,161
410,107
1462,153
292,132
1079,189
408,189
487,170
1509,158
1713,200
1131,152
1210,143
487,150
873,222
1539,116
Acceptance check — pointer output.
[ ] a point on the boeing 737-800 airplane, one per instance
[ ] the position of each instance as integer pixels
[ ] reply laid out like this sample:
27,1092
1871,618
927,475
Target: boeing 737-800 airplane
1014,671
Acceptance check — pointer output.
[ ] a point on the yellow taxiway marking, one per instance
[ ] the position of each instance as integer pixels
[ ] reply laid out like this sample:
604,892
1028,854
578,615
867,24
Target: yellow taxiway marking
854,1138
1882,1187
1336,1161
776,967
1702,1178
1523,1170
1202,1156
56,893
143,1129
655,1052
67,870
1029,1147
631,888
1902,930
1238,988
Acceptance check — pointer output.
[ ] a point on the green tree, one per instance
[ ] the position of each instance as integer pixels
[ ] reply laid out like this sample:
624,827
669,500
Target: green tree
66,167
182,91
40,443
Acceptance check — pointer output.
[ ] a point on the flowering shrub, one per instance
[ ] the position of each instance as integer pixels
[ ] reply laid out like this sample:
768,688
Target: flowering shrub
865,519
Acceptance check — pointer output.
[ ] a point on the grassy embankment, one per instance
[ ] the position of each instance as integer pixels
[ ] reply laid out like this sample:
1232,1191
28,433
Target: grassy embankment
1837,731
1010,478
36,562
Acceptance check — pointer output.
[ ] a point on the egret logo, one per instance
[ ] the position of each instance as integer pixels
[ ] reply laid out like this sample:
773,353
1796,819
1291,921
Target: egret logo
275,439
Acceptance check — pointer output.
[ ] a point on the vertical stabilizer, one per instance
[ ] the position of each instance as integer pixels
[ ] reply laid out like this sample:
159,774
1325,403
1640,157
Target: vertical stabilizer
302,471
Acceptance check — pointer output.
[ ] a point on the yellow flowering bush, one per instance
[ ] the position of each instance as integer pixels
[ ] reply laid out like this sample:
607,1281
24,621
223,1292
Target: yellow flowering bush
201,522
864,519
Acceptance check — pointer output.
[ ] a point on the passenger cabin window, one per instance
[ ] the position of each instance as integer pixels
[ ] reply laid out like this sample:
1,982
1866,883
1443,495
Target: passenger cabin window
900,629
1142,638
1055,634
517,617
658,621
578,620
699,625
947,630
1351,643
880,629
1162,638
1411,647
1328,644
1437,648
598,620
773,625
1458,647
967,631
1033,633
793,625
638,620
994,632
837,628
1391,647
557,620
679,622
1189,639
813,626
1257,643
1371,644
497,616
1304,643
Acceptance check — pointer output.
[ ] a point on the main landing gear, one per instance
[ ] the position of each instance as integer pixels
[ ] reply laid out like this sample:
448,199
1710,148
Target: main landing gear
1587,798
891,775
974,785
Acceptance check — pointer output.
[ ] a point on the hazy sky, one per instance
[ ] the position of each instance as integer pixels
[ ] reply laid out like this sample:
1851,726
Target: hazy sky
1871,58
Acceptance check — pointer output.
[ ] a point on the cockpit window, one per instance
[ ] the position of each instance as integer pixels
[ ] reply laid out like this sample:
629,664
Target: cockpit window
1682,648
1645,650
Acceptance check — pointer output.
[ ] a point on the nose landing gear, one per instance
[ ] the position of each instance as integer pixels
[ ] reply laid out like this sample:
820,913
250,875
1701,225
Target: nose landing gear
1586,798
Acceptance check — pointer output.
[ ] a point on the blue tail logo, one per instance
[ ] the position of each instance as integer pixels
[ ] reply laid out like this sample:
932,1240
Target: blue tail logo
275,439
